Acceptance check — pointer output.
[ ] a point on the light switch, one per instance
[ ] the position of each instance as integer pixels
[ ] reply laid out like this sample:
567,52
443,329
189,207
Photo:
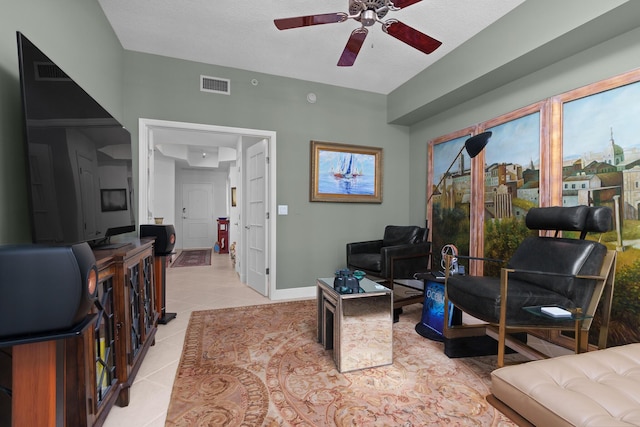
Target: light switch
283,209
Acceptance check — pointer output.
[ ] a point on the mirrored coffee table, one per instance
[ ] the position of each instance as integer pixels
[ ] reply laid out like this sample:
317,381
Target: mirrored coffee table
358,327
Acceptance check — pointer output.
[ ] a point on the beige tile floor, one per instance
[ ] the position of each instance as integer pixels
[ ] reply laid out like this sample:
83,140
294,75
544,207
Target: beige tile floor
188,289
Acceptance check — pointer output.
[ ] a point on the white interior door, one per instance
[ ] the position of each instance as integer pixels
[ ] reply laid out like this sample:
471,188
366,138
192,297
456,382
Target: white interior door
197,217
257,223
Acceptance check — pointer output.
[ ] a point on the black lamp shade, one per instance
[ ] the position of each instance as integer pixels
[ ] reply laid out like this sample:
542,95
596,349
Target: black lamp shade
476,144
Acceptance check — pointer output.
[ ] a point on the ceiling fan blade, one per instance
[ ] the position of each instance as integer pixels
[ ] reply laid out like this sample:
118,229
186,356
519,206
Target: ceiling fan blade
352,48
305,21
411,36
404,3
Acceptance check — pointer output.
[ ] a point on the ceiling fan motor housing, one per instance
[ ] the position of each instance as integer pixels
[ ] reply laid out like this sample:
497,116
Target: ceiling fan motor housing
377,7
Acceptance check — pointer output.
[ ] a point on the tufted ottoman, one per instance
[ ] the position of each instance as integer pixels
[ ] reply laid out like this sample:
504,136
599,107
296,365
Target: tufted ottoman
597,388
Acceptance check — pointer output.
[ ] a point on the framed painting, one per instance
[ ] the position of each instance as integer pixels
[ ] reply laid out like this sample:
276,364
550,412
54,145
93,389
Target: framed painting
345,173
234,200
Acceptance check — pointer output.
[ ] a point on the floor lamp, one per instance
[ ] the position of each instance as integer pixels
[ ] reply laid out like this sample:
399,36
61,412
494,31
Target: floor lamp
431,324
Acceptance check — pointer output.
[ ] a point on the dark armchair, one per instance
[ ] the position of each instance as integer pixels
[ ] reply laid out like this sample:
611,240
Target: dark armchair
403,251
543,271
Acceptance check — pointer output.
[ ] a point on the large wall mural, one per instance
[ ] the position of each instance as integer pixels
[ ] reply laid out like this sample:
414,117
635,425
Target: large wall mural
511,185
601,167
580,147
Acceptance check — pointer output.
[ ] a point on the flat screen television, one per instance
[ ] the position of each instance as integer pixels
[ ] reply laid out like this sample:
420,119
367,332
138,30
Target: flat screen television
78,157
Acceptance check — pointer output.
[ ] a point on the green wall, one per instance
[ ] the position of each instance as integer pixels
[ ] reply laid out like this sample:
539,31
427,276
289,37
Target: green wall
76,35
131,85
311,238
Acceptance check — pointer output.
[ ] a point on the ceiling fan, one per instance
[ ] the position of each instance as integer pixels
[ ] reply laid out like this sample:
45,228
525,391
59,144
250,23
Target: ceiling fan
367,12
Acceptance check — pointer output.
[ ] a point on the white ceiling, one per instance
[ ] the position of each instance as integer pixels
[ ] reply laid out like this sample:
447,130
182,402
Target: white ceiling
195,149
241,34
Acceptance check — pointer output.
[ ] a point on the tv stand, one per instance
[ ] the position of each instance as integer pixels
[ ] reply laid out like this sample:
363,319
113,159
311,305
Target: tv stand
108,358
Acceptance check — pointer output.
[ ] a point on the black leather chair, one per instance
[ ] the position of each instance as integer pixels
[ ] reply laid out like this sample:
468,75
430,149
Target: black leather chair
403,251
543,271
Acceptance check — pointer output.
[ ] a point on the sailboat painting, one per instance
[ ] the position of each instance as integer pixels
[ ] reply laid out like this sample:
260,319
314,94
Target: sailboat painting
345,173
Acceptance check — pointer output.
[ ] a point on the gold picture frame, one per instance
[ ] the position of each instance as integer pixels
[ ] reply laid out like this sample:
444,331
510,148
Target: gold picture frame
345,173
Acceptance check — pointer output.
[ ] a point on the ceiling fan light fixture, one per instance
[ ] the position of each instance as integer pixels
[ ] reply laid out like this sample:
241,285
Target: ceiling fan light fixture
368,18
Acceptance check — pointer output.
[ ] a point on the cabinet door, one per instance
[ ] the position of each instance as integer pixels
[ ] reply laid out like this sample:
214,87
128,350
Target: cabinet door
143,317
105,344
90,378
148,300
135,307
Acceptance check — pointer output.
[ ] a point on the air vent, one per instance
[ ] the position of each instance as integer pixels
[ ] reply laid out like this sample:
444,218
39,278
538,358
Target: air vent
50,71
215,85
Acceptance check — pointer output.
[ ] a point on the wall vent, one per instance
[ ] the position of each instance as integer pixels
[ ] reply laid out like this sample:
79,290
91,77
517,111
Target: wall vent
215,85
49,71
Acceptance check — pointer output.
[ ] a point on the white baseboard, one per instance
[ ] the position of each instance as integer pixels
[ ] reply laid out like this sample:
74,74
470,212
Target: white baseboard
295,293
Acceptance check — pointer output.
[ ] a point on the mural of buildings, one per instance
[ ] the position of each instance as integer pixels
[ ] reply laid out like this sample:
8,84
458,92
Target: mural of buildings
594,178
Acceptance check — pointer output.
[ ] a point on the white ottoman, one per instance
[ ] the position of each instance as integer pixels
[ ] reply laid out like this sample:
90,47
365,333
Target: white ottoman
597,388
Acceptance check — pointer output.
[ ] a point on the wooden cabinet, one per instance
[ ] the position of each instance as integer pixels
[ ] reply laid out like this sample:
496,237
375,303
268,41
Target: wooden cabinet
101,365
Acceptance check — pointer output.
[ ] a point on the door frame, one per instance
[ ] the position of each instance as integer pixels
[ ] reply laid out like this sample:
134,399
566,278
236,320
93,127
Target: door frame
145,181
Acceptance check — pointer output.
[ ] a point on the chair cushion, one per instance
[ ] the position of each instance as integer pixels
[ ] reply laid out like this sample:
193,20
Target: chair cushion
401,235
480,297
561,256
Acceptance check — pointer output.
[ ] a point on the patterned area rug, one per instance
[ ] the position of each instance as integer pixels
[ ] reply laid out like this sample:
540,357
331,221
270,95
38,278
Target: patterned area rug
193,258
262,366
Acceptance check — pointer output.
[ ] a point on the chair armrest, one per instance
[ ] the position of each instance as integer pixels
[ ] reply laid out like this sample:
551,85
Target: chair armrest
547,273
406,251
368,247
481,258
402,261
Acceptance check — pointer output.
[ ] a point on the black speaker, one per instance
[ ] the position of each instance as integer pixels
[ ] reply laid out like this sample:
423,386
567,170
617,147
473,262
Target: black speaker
45,289
165,235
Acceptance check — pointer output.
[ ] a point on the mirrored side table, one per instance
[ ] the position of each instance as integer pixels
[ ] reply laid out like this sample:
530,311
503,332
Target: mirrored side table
358,327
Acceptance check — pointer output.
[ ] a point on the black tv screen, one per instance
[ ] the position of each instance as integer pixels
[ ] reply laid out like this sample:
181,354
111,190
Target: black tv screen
78,157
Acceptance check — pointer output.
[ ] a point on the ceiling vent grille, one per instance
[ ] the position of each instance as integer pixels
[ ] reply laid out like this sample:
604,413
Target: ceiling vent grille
50,71
215,85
